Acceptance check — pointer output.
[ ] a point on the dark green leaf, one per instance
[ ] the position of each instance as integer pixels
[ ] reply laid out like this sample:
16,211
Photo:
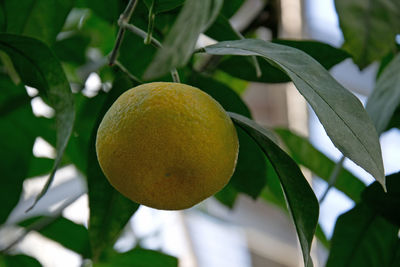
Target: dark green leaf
109,210
369,28
130,49
42,19
163,5
3,23
300,198
108,10
250,173
227,195
139,257
340,112
39,166
101,33
304,153
230,7
395,120
65,232
16,143
38,67
385,98
222,30
72,48
178,46
18,260
86,110
362,238
273,193
326,55
386,204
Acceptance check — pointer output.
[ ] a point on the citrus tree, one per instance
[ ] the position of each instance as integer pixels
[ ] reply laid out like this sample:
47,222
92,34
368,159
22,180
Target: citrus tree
53,46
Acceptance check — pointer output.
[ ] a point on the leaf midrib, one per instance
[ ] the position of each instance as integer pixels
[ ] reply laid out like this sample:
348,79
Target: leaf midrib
340,117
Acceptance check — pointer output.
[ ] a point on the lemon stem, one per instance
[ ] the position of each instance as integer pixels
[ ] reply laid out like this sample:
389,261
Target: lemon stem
125,17
332,179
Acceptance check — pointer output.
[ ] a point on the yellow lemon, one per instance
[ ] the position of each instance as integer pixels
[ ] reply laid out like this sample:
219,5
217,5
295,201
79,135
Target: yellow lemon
167,145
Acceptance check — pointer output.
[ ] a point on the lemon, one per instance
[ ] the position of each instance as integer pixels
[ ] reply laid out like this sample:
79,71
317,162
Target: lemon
167,145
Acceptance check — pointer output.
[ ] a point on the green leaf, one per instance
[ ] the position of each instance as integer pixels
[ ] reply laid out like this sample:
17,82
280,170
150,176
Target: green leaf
16,143
386,204
101,33
86,110
178,46
140,257
362,238
163,5
18,261
222,30
385,98
108,10
231,7
369,28
72,48
250,173
325,54
300,198
340,112
42,19
131,47
304,153
109,210
65,232
38,67
227,196
395,120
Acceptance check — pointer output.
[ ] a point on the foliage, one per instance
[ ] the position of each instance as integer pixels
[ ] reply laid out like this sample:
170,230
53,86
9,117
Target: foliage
54,46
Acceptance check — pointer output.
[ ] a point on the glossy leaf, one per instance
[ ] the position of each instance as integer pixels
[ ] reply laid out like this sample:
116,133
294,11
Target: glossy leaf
194,18
250,173
163,5
300,198
385,98
109,210
362,238
16,143
340,112
42,19
304,153
18,261
65,232
39,68
141,258
369,28
240,67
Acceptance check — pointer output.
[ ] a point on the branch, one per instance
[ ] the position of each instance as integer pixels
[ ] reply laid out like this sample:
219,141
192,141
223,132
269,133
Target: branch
124,18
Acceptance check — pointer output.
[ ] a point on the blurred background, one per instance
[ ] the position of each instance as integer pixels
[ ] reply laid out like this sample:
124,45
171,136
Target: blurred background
254,233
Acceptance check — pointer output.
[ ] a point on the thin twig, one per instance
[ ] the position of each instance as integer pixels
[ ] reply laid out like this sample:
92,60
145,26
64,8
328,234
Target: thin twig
332,178
139,32
153,41
125,17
